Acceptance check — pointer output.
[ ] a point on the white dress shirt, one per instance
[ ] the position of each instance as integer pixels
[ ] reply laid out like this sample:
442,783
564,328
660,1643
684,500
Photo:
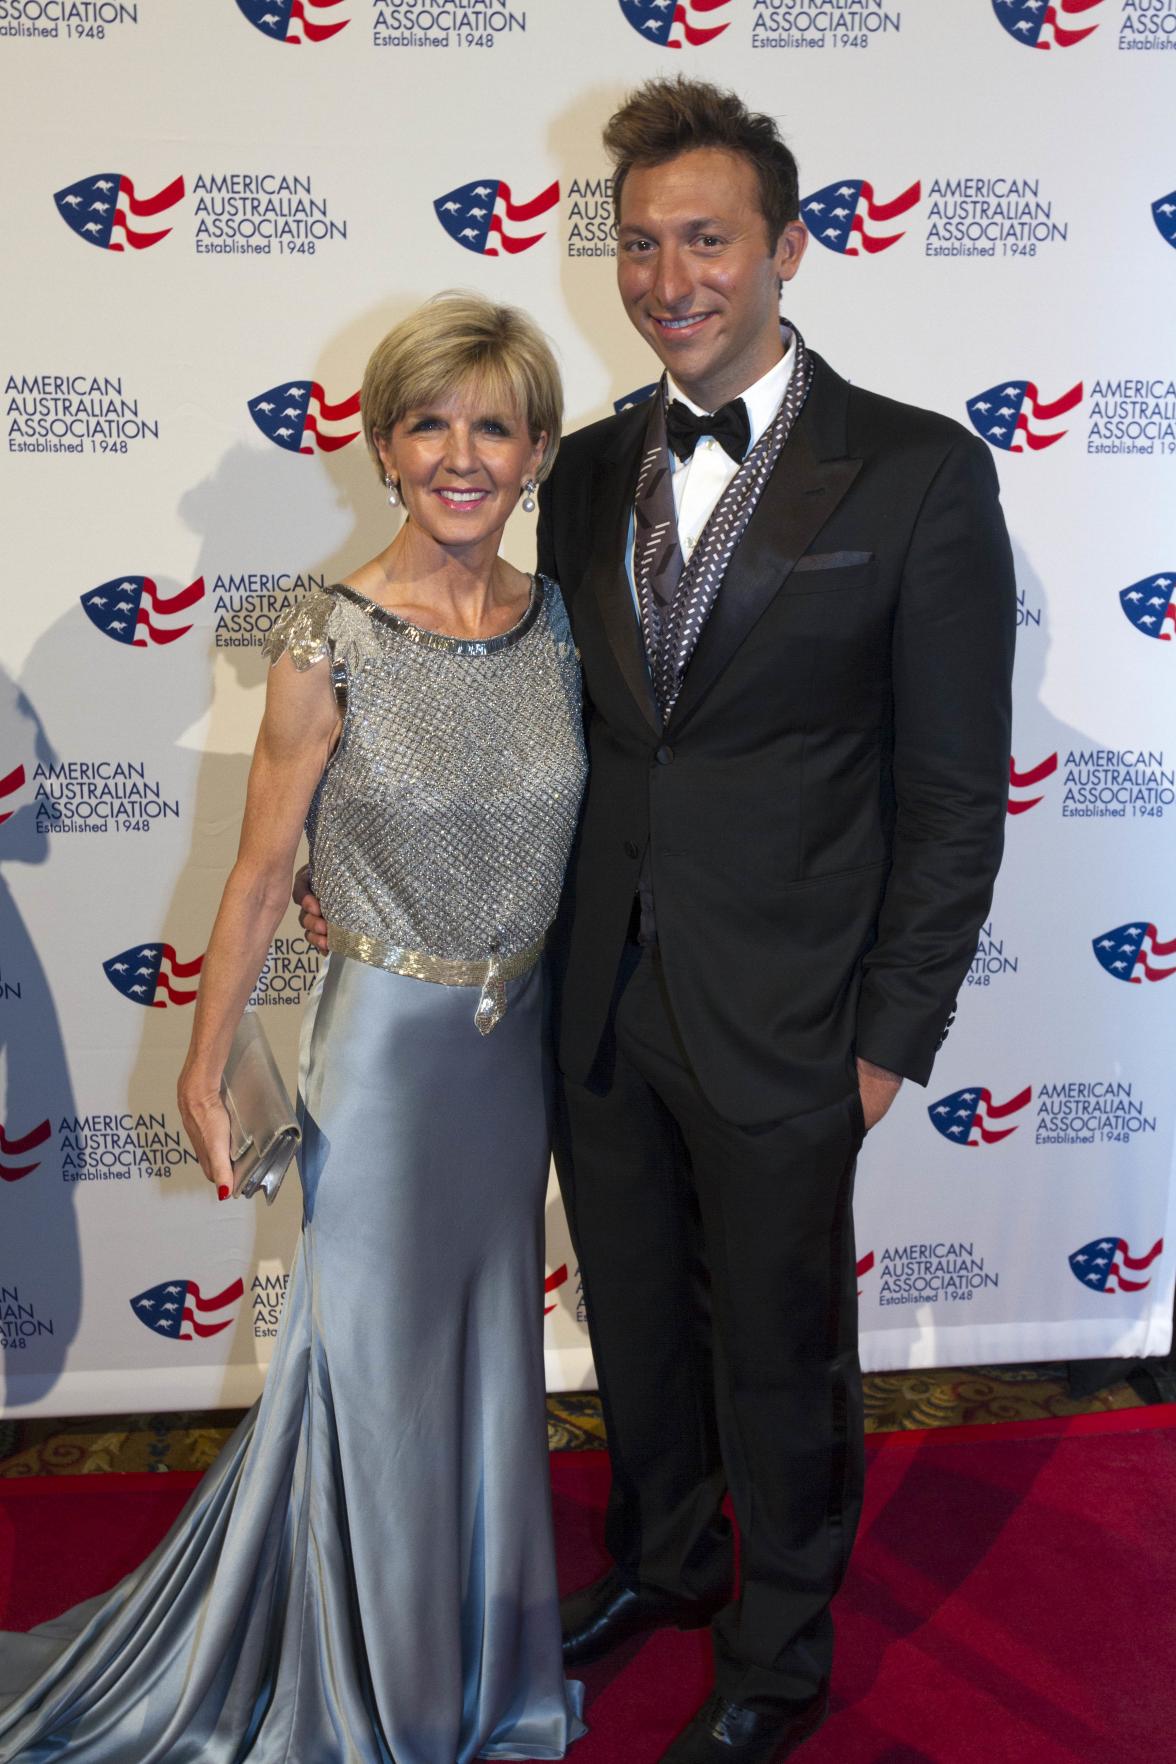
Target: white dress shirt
699,481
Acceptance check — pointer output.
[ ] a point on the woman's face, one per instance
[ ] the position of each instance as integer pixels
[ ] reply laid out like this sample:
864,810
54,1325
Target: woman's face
460,465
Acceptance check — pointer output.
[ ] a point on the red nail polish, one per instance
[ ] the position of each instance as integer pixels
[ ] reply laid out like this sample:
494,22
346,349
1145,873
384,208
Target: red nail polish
223,1193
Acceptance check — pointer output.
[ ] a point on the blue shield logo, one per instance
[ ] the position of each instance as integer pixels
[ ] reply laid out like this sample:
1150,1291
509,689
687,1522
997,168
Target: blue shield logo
1164,214
484,216
1150,604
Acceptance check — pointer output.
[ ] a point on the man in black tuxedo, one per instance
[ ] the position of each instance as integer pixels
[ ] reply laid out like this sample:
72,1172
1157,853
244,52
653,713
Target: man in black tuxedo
794,605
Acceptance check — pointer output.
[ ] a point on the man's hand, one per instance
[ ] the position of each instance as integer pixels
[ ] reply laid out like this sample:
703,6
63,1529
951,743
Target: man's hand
878,1089
310,913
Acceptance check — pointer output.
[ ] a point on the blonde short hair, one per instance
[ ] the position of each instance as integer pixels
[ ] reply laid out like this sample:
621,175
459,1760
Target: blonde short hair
453,342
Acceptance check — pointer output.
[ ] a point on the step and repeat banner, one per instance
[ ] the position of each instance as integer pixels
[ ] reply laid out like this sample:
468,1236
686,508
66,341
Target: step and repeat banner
214,213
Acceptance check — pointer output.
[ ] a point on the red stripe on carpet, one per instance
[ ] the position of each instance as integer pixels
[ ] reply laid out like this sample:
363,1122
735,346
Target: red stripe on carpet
1010,1597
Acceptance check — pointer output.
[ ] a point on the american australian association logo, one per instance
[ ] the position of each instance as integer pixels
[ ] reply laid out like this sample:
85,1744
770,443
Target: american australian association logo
17,1148
249,213
93,795
73,413
89,794
134,611
259,213
296,21
1147,25
267,1294
1048,24
152,974
291,971
1092,1111
1027,783
932,1273
986,216
670,24
1135,952
846,216
445,24
551,1285
1068,1111
179,1310
247,604
993,959
1164,214
1013,415
1133,413
123,1145
816,25
1102,783
1111,784
10,783
590,228
973,1117
105,210
298,416
21,1320
484,215
77,21
1150,605
1107,1265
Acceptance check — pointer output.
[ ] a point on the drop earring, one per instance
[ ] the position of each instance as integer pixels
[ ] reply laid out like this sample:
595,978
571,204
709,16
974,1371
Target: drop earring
393,492
529,489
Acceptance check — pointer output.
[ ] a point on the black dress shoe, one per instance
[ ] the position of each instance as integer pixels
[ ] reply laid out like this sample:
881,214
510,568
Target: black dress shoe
729,1733
600,1616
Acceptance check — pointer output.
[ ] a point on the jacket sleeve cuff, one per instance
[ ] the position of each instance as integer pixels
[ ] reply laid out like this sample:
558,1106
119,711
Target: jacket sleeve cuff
903,1045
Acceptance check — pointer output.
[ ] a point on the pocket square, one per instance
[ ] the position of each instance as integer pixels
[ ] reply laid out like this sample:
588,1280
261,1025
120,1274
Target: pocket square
832,560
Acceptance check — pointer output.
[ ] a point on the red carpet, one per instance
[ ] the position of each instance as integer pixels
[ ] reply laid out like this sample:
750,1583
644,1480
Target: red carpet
1011,1597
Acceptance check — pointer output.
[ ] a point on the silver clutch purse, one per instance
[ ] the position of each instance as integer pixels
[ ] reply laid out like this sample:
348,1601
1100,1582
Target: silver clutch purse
264,1132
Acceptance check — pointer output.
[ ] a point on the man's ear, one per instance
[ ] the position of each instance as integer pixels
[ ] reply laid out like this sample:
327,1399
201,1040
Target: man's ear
790,248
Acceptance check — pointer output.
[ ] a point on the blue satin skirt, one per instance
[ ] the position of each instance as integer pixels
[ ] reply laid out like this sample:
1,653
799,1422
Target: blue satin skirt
367,1572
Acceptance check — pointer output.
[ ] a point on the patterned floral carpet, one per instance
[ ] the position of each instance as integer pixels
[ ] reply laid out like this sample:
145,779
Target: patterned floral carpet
894,1401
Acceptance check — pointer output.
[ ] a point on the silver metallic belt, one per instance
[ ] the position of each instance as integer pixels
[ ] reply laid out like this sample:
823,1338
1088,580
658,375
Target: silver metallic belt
490,973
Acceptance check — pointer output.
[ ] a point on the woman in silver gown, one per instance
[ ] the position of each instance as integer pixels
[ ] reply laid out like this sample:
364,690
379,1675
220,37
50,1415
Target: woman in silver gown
366,1576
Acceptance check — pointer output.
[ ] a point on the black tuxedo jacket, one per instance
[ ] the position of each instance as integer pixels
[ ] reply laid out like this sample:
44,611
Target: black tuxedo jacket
824,813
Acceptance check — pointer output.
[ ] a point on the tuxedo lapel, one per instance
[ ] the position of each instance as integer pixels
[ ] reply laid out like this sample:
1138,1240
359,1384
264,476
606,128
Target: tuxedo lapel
810,478
615,476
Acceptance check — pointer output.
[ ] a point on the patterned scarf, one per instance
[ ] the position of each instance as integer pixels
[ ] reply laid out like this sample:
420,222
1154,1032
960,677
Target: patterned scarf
676,600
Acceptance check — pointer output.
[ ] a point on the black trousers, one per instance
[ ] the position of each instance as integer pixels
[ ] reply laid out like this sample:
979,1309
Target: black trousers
721,1294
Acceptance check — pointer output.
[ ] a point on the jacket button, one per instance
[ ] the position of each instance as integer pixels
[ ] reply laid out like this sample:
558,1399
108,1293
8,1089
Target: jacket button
631,850
664,755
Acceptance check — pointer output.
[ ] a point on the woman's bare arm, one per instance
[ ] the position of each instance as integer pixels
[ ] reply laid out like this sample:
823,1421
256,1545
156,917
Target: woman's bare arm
293,745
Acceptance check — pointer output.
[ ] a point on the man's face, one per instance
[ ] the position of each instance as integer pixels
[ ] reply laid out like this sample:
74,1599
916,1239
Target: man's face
697,274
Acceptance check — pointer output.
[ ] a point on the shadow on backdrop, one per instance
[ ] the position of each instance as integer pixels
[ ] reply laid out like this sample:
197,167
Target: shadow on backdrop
40,1265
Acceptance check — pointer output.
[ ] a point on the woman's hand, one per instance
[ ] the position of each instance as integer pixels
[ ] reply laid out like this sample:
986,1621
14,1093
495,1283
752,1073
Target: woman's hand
310,913
206,1122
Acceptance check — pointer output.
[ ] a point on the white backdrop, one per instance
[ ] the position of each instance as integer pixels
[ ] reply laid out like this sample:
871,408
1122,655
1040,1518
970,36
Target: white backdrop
221,207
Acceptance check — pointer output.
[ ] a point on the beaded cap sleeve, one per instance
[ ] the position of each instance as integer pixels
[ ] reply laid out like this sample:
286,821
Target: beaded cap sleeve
323,627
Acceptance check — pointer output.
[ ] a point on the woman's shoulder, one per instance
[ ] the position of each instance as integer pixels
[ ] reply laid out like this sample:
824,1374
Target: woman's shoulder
326,622
557,613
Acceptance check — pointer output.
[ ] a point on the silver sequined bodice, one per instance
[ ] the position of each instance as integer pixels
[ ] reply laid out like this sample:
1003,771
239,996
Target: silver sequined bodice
443,820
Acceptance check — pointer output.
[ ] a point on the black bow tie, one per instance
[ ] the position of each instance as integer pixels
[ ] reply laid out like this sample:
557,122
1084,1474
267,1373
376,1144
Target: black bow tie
729,425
